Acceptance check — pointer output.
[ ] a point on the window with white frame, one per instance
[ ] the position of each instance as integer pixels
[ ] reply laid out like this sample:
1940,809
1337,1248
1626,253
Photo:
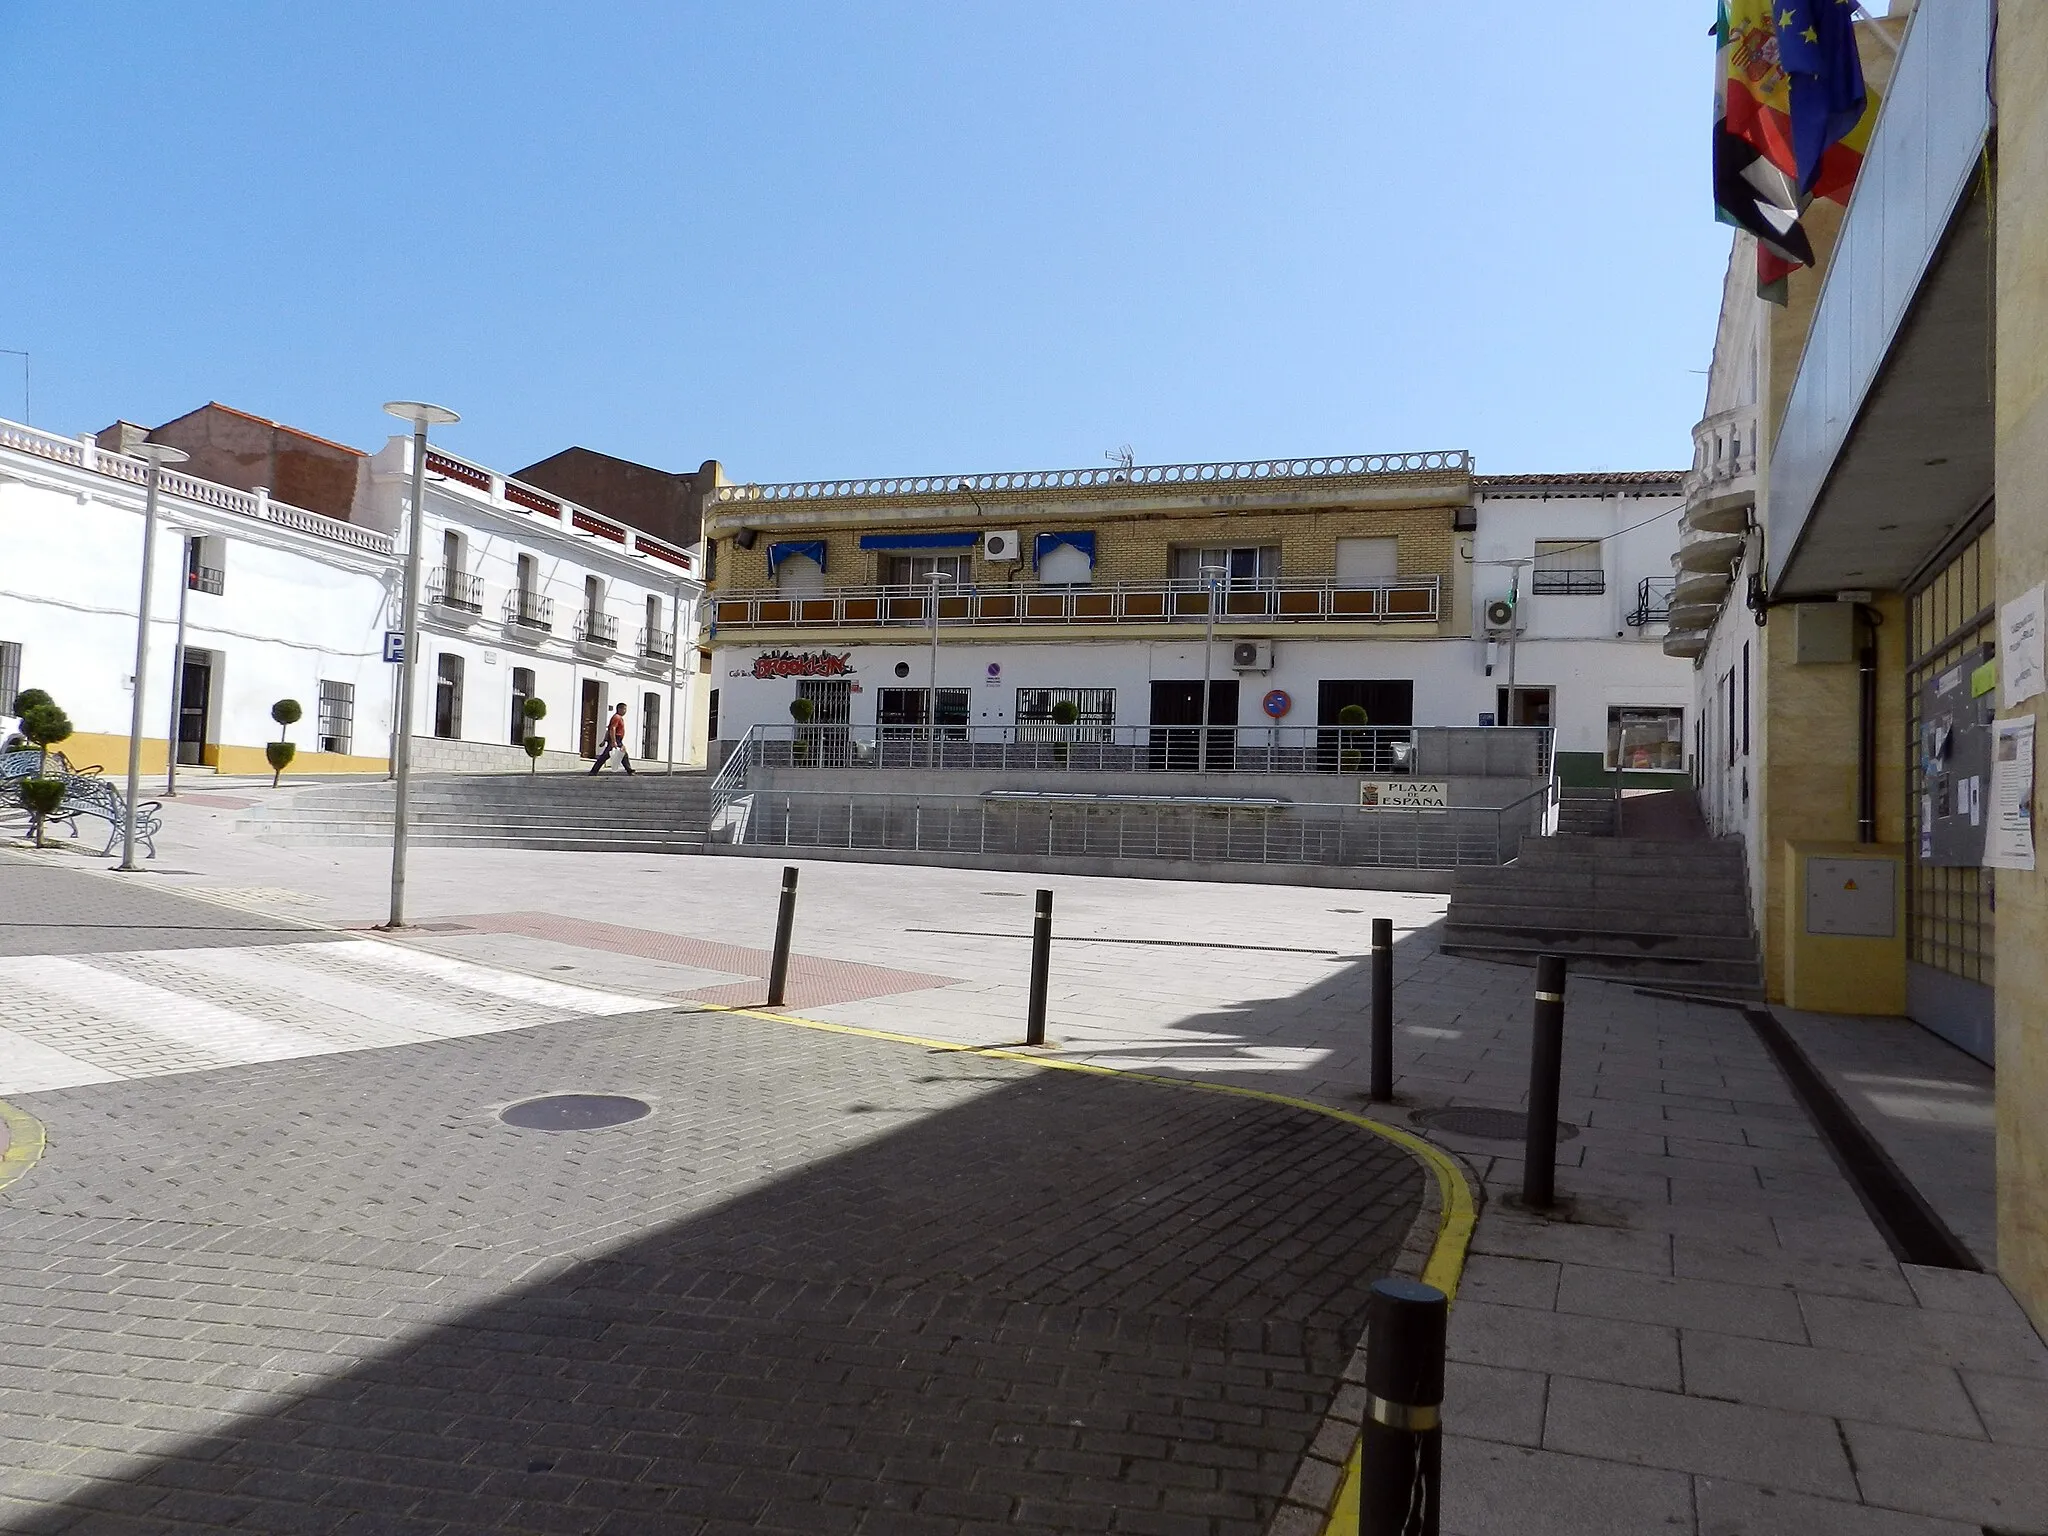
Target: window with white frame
917,570
1568,566
1235,565
337,716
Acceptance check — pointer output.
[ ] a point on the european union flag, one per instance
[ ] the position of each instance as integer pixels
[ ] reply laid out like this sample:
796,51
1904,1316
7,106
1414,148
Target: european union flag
1817,49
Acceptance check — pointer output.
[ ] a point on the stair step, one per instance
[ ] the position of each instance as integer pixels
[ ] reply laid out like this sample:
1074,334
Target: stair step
1602,941
1735,975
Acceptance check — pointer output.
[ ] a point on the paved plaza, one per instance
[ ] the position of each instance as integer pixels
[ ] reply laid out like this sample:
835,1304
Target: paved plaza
281,1267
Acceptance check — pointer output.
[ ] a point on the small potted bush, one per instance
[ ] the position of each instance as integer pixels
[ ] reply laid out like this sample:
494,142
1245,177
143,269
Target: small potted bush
1064,713
1351,751
534,710
802,711
279,753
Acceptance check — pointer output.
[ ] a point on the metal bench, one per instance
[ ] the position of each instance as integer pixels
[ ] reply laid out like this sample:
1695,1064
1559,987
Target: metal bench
86,793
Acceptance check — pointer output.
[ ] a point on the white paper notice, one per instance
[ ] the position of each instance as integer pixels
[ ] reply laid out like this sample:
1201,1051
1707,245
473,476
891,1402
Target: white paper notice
2009,840
2022,669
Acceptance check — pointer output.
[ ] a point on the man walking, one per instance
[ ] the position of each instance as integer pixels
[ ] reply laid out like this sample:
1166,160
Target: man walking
614,741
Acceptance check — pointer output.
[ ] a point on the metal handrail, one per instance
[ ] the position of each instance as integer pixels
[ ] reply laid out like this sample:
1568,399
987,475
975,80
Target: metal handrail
1408,600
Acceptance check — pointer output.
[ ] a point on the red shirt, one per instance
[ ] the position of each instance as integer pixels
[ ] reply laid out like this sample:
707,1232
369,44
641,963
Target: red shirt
617,729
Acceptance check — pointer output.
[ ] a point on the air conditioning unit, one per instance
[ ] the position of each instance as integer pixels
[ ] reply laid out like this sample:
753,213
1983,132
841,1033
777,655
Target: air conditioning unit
1251,655
1503,616
1004,544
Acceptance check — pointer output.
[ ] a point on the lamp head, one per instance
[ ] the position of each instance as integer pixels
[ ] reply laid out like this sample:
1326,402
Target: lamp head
161,454
419,413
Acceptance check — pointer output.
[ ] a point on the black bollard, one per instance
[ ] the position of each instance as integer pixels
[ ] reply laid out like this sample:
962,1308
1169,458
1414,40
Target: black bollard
1546,1064
1383,1009
785,924
1401,1443
1041,966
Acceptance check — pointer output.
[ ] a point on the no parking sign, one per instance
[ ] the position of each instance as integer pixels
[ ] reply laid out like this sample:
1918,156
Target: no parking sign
1277,703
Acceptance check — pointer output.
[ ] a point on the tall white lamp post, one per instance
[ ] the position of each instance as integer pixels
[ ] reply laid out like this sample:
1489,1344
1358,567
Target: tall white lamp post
931,719
158,454
1212,574
422,416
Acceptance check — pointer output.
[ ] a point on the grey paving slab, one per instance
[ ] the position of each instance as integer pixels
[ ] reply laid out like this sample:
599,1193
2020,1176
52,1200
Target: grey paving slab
1498,1490
1486,1402
1829,1382
1694,1434
1743,1509
826,1273
1999,1486
48,908
1754,1311
1602,1348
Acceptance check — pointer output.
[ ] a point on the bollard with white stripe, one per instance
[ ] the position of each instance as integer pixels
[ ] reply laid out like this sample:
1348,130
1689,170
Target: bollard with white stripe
1546,1064
1401,1442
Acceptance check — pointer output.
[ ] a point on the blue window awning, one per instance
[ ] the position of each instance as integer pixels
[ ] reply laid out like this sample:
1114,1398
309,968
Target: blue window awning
963,540
812,549
1045,543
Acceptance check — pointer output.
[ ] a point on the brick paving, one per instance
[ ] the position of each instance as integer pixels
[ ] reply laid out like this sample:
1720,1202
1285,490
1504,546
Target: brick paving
830,1284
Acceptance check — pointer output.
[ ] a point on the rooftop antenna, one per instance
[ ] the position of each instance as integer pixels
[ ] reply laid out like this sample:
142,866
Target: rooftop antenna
1123,457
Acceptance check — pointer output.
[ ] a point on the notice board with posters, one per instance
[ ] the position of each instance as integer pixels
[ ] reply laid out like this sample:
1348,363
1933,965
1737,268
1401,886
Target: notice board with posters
1956,711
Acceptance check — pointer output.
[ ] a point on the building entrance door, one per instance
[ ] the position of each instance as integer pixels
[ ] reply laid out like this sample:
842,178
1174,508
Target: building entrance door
826,740
1176,740
593,713
195,700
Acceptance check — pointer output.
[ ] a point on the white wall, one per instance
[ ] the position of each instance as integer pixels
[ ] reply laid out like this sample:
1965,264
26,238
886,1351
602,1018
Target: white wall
291,613
1451,687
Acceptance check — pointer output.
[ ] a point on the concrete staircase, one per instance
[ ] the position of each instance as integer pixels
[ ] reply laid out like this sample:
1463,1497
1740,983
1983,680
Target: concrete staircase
1586,812
1664,913
611,813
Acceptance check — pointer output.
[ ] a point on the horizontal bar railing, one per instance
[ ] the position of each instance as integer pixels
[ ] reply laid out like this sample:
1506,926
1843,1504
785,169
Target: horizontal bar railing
1415,599
1126,828
1332,749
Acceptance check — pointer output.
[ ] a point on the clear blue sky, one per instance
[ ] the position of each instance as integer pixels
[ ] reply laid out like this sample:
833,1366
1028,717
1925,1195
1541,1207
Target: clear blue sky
872,238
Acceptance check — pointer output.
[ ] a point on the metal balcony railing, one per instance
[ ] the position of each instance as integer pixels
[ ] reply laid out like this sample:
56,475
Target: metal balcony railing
1653,601
455,589
596,629
1414,599
529,610
1568,583
657,644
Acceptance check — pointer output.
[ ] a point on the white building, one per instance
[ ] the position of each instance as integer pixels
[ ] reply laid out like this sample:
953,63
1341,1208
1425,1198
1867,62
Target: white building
524,593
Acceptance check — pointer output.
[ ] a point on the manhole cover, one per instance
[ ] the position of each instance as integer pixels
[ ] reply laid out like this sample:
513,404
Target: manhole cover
1487,1124
574,1112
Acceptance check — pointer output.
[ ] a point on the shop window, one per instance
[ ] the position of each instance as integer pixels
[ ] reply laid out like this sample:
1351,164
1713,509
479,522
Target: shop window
1568,566
903,712
1646,740
337,716
1094,714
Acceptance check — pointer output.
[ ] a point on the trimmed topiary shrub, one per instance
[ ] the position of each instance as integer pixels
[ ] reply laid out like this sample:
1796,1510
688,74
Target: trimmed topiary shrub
535,745
802,711
1064,712
44,724
42,797
1350,752
279,754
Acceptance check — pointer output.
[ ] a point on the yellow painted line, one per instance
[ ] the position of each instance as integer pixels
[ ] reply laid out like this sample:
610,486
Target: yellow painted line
1458,1209
24,1143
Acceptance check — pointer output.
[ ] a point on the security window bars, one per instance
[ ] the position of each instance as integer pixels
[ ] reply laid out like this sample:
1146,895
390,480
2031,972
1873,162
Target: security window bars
10,674
337,716
1568,566
1949,923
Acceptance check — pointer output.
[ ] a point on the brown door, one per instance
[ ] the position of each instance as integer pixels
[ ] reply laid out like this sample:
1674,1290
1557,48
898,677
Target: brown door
593,712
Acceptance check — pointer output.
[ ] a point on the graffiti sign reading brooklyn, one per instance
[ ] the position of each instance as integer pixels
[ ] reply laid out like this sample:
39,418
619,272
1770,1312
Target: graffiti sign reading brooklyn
803,664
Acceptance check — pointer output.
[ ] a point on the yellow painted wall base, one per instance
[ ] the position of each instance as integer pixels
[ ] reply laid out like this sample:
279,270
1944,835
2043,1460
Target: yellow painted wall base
1838,973
86,748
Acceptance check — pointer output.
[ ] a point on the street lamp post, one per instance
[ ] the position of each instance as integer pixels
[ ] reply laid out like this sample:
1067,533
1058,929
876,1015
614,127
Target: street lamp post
422,416
675,648
1211,574
158,454
931,719
178,676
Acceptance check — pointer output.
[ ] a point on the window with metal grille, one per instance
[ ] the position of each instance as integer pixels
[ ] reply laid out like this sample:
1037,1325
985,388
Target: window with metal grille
10,674
1569,566
337,716
1094,718
1949,923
